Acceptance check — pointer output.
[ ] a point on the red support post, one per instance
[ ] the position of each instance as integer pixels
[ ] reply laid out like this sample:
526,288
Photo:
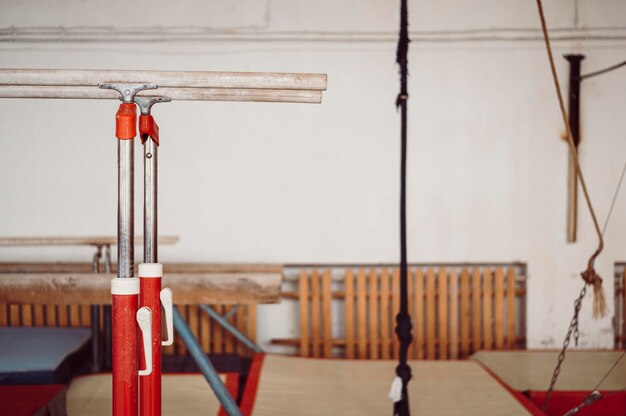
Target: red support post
150,386
125,288
125,292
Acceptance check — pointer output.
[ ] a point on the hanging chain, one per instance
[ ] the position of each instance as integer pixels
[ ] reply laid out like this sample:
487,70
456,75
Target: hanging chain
572,331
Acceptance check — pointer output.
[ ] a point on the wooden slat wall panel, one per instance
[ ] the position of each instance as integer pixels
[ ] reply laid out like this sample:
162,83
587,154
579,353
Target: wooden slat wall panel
15,314
240,324
361,314
304,313
217,333
349,313
465,313
476,310
251,309
499,309
395,308
442,319
75,315
385,331
26,311
4,315
315,313
327,311
229,340
205,331
38,318
85,315
63,316
487,309
449,316
373,314
418,317
510,308
193,320
454,314
50,312
431,317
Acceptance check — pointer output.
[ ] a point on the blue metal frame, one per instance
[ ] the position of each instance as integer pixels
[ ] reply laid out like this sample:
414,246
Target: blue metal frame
222,320
203,362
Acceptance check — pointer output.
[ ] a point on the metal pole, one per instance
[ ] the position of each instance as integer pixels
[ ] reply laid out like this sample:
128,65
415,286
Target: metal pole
151,272
106,314
125,208
150,253
95,317
574,125
125,288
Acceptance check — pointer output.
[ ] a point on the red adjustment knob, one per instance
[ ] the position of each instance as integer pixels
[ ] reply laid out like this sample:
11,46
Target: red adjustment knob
148,128
125,122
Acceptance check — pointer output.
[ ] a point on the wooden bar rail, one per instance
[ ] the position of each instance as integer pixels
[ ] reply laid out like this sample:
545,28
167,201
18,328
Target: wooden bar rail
456,311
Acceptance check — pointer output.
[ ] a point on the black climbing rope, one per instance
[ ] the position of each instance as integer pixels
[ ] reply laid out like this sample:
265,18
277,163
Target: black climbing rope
403,319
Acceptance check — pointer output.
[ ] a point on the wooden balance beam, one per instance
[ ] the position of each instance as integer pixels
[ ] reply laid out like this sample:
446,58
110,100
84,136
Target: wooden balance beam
95,288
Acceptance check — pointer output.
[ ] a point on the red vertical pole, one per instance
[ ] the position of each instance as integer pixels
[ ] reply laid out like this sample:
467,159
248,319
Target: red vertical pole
150,386
125,288
125,292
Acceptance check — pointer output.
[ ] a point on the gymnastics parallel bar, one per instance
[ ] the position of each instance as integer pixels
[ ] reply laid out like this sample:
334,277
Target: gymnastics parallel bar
179,94
76,241
178,85
95,288
166,79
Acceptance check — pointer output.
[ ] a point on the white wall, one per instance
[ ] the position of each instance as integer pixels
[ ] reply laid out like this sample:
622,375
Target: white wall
242,182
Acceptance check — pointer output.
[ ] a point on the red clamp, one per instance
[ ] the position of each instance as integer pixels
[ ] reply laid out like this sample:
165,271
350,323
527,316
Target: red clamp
125,122
148,128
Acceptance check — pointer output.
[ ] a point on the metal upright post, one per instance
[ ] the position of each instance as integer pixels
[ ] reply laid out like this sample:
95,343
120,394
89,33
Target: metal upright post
125,288
150,272
95,316
106,315
574,125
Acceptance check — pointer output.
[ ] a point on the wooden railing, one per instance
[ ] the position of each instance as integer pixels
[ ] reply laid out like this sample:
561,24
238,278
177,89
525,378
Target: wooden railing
456,310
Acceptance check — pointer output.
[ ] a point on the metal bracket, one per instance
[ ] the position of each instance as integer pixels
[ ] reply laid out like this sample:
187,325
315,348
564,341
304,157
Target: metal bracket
127,91
145,103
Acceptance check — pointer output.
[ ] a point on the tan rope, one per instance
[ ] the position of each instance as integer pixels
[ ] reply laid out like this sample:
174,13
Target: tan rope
589,275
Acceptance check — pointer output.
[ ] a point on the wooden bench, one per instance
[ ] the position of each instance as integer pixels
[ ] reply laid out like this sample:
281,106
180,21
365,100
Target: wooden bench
456,310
